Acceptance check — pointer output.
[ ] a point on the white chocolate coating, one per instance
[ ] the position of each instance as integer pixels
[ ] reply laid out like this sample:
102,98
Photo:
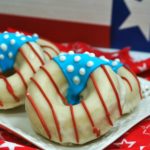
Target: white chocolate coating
55,121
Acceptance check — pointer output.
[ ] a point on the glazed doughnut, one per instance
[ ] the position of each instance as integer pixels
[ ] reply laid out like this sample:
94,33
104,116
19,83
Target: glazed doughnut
20,58
76,98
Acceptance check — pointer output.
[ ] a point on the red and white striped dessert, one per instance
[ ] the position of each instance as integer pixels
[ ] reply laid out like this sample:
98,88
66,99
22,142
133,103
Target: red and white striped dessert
76,98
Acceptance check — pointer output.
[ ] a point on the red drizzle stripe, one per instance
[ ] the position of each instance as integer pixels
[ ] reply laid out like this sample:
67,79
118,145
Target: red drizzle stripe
95,130
74,124
49,56
35,52
124,78
1,104
114,89
39,115
21,77
102,100
21,51
57,90
46,46
10,89
51,107
140,91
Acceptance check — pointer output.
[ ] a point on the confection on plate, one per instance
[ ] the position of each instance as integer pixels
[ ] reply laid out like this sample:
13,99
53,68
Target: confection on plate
76,98
20,57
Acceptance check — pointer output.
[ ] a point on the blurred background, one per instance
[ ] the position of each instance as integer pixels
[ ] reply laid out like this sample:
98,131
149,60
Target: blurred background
102,23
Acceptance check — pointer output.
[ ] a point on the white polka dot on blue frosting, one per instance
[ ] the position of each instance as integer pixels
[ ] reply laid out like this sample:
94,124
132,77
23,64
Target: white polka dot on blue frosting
9,46
70,68
82,71
77,69
90,63
77,58
3,46
6,36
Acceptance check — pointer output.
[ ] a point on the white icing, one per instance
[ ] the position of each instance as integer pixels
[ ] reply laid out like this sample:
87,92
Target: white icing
10,54
76,80
1,56
62,58
104,58
77,58
82,71
12,41
70,68
71,52
92,54
3,47
90,63
23,38
6,36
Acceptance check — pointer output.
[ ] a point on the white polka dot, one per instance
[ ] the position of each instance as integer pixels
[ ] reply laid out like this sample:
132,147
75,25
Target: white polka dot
92,54
90,63
10,55
70,68
3,47
62,58
18,34
86,53
12,41
77,58
117,59
104,58
6,36
5,32
35,35
114,63
23,38
76,80
82,71
1,56
71,52
29,36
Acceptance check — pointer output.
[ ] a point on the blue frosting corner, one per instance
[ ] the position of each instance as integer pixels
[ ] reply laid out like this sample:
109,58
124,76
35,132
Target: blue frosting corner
9,46
77,69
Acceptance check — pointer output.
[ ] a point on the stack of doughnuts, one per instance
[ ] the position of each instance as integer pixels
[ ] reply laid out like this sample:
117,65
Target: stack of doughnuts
20,57
69,98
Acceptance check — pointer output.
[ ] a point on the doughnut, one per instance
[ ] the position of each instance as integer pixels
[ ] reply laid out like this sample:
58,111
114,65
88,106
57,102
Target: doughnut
20,57
76,98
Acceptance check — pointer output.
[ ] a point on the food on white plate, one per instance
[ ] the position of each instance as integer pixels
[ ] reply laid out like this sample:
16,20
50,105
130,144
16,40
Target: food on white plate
76,98
20,57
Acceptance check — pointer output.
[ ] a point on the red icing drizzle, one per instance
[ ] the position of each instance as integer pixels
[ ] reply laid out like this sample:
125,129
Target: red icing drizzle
21,77
114,89
48,54
95,129
102,100
74,123
39,116
51,107
140,92
125,79
35,52
9,88
46,46
58,91
21,51
1,104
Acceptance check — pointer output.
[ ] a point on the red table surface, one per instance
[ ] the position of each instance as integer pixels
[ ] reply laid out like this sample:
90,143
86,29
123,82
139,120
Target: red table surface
137,138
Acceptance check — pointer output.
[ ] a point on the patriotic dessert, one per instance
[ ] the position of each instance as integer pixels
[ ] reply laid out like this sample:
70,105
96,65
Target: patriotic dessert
20,57
76,98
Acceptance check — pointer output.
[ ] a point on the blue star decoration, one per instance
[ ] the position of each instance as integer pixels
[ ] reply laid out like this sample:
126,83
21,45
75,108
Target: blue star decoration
9,46
77,69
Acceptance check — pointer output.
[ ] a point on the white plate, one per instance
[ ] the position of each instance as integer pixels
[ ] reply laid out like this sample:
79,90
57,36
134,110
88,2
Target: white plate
17,121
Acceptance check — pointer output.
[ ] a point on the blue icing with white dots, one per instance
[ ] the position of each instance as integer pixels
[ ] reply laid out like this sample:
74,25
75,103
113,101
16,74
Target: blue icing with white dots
9,46
77,69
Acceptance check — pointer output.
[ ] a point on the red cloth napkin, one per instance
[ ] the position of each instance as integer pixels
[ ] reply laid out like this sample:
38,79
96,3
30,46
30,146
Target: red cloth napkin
137,138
